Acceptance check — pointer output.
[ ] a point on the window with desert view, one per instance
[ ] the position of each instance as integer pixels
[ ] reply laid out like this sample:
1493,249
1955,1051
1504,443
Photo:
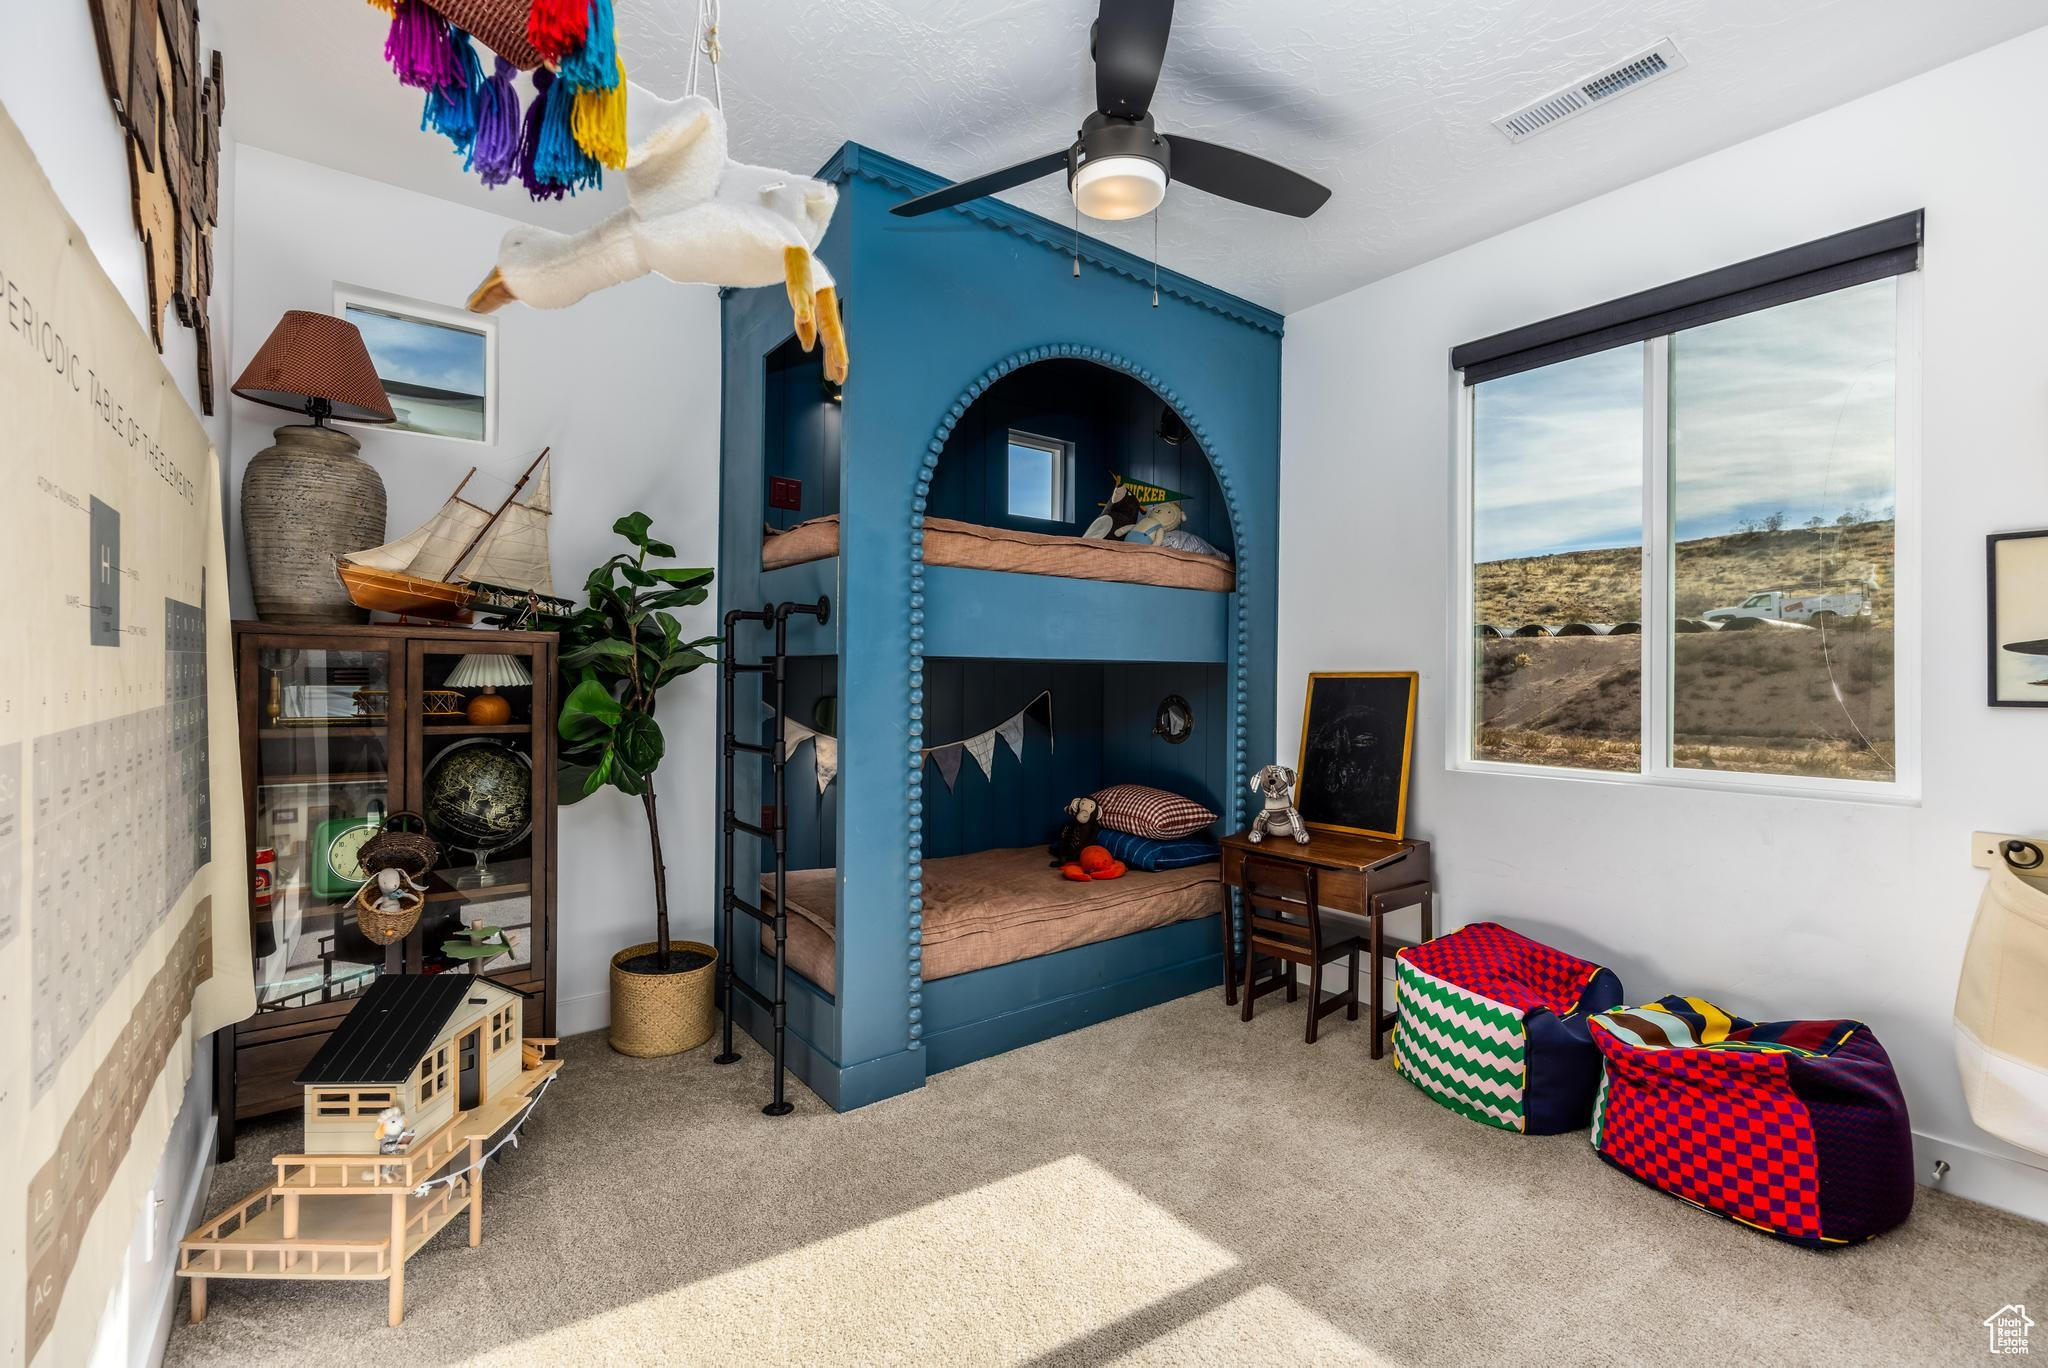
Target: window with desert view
1774,464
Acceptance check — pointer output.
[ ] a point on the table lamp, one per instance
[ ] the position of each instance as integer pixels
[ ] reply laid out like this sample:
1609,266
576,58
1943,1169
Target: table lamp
489,673
310,497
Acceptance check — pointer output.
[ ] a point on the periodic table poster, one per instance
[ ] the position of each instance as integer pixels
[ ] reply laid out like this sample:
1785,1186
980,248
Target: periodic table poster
124,920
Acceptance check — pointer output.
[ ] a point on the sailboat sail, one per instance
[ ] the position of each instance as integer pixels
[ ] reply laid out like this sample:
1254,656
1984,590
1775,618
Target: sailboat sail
513,552
429,550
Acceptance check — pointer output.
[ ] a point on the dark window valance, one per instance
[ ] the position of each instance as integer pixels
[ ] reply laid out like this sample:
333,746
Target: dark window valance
1876,250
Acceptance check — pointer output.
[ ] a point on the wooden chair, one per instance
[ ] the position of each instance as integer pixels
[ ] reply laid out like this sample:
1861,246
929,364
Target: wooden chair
1283,922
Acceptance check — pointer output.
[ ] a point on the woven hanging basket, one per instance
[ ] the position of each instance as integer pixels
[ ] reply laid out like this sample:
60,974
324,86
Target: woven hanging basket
499,25
384,927
409,852
663,1014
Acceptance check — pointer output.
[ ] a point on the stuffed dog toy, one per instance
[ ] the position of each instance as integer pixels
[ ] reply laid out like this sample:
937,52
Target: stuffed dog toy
1277,783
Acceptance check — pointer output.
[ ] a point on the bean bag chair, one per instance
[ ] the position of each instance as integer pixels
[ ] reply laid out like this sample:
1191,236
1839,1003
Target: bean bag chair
1794,1127
1493,1026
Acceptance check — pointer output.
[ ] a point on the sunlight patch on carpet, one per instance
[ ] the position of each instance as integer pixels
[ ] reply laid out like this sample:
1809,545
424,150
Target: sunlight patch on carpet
1000,1274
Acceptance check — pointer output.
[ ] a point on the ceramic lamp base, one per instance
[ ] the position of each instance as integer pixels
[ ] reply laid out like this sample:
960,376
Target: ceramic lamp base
489,709
306,501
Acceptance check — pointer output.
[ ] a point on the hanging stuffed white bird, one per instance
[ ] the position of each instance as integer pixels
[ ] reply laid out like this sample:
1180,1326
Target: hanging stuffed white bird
691,215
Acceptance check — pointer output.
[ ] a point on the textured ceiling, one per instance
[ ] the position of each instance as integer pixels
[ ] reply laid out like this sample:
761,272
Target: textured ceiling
1389,102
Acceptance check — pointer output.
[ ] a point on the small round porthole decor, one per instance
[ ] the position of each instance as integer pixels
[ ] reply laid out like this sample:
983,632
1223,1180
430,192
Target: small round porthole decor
1175,720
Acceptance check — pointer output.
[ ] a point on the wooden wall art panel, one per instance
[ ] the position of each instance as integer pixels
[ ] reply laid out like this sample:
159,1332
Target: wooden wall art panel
169,96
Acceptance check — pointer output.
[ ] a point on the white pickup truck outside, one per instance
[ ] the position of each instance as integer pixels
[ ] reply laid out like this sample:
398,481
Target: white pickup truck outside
1778,606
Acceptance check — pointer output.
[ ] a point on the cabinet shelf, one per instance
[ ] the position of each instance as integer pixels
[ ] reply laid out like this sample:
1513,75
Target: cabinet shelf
312,778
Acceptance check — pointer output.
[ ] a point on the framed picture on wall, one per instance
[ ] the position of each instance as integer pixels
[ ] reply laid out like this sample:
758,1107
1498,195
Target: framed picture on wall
1357,741
2017,595
439,366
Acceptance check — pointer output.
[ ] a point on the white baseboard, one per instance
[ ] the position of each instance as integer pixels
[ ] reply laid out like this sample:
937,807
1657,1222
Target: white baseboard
198,1187
591,1012
1994,1179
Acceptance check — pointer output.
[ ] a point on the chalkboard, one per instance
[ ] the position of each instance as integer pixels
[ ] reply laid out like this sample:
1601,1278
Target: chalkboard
1357,735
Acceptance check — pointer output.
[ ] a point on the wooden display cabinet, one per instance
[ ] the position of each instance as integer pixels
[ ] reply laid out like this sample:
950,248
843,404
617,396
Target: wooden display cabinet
339,727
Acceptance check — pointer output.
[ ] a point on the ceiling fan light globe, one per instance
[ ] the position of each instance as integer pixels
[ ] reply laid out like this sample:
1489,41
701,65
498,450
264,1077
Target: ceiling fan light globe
1119,187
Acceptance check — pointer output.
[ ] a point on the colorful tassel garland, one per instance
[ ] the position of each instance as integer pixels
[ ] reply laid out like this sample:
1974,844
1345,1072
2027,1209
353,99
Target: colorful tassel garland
386,5
494,152
537,186
599,121
557,28
594,65
559,160
421,48
453,109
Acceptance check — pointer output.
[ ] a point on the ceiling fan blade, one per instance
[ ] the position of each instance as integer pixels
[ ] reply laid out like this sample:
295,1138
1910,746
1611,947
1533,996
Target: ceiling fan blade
989,184
1130,47
1242,177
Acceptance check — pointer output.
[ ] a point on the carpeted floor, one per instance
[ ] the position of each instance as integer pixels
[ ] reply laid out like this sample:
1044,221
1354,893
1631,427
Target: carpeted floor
1171,1187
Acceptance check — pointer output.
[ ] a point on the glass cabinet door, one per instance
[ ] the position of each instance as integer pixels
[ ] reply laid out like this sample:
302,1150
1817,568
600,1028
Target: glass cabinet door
322,786
472,736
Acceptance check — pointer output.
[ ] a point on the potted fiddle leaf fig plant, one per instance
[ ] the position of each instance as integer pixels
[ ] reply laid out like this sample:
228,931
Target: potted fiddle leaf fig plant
617,653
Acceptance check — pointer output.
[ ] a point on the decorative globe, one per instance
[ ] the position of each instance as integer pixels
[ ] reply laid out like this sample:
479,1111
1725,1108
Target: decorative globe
479,795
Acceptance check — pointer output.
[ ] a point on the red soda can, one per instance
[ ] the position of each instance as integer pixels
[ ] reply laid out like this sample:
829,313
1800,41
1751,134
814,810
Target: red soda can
266,874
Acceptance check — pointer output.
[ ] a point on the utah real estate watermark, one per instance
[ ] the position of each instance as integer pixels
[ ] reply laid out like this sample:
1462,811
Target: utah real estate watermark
2008,1328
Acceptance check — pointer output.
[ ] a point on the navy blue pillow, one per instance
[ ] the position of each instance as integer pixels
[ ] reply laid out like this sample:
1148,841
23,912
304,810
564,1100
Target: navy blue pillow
1141,852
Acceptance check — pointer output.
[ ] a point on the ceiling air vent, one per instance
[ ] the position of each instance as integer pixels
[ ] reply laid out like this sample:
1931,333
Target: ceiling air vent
1659,59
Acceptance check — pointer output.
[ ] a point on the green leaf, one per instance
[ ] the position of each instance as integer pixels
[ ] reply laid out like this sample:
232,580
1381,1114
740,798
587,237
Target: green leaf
639,742
684,576
633,527
661,549
589,711
605,649
634,575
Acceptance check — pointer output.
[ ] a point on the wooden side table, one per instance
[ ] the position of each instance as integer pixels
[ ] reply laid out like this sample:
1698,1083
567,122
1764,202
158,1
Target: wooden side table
1363,876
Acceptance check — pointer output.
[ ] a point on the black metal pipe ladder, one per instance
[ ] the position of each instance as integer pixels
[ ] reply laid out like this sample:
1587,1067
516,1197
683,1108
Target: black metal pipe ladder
776,668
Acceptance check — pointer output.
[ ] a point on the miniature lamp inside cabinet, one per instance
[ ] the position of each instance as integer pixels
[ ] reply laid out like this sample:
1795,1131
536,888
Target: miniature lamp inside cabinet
489,673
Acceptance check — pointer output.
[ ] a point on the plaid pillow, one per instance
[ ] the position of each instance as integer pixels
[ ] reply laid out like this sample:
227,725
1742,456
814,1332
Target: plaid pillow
1150,812
1141,852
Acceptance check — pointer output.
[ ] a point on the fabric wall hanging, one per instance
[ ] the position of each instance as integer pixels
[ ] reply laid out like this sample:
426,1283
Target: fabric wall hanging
124,913
982,747
168,97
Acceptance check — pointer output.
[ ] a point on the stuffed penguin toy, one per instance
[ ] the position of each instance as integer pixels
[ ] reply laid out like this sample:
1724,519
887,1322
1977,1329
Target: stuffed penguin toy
1119,515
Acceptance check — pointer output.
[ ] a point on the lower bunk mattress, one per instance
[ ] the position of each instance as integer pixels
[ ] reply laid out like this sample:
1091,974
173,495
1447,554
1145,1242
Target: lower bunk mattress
948,542
997,906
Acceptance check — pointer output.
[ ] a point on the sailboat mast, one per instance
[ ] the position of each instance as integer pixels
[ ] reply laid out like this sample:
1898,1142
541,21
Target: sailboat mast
518,485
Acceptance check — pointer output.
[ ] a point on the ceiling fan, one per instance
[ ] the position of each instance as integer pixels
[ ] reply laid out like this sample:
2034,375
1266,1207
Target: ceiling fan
1119,164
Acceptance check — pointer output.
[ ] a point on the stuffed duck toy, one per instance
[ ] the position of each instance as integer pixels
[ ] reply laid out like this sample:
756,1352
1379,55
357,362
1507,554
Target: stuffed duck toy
692,215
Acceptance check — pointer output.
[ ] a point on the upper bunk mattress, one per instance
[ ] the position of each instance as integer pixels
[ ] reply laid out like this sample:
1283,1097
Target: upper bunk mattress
975,547
997,906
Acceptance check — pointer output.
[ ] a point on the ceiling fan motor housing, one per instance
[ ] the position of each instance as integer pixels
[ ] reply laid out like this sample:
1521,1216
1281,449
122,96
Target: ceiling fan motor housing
1104,135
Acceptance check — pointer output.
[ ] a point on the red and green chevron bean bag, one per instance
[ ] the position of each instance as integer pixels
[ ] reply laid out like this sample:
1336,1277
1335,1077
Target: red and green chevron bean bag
1493,1026
1795,1127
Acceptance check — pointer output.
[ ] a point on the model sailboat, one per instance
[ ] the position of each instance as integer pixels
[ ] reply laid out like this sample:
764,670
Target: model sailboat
464,557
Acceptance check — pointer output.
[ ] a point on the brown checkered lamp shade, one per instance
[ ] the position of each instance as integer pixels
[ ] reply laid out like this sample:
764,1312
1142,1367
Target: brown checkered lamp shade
312,356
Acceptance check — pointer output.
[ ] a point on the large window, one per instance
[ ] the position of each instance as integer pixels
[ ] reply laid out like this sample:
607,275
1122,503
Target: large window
1682,552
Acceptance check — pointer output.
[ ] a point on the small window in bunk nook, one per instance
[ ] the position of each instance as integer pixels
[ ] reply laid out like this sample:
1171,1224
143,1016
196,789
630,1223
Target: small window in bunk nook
1039,478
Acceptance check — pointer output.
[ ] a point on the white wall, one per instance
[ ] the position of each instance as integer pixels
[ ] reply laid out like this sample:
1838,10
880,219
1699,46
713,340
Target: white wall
624,387
1774,907
50,85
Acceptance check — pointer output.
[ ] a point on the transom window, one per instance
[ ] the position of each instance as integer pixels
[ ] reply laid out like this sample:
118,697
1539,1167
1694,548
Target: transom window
1038,477
1681,554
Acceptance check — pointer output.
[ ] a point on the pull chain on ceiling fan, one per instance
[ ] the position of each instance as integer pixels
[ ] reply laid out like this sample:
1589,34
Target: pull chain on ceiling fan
1119,165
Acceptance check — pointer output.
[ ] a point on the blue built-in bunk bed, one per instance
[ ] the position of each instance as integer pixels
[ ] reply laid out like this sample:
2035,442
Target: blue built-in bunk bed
952,613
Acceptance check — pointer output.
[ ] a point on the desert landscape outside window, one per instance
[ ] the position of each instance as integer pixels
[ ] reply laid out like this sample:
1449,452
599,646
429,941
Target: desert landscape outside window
1782,498
1557,547
1767,442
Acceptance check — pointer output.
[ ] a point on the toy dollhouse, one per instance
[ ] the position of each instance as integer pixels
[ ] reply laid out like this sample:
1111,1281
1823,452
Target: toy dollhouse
400,1104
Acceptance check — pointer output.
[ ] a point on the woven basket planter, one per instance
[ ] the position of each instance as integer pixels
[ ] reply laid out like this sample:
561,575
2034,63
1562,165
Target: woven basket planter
663,1014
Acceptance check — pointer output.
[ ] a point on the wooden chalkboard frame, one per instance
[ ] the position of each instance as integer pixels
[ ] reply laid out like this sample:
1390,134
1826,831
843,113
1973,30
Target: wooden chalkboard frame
1411,681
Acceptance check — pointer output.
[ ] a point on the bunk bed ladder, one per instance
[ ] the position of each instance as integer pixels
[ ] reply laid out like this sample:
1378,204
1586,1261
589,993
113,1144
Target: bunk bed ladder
776,668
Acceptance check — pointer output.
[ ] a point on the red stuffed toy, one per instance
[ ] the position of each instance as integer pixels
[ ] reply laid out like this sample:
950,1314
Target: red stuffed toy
1095,863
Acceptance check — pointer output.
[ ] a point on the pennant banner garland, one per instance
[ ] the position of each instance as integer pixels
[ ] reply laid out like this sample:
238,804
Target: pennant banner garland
947,757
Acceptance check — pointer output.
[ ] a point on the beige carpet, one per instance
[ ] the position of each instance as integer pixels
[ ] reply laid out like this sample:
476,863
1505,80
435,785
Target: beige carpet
1172,1187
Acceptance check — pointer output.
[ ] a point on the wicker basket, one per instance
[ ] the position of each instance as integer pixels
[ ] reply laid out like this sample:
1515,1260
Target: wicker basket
663,1014
386,927
410,852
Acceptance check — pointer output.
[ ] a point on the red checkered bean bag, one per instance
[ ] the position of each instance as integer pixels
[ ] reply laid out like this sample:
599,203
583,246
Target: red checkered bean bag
1797,1128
